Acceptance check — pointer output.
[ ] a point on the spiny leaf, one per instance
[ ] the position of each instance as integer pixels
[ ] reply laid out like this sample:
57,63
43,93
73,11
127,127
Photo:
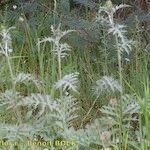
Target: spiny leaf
26,78
68,82
41,101
106,84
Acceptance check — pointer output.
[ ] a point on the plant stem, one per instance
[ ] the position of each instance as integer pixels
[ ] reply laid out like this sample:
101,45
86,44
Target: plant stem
59,72
13,86
121,93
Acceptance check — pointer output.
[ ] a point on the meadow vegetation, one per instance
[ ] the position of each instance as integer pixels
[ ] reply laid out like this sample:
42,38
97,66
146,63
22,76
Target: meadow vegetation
74,75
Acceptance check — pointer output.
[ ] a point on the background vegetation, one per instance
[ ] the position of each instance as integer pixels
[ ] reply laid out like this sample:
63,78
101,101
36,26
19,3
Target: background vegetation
75,70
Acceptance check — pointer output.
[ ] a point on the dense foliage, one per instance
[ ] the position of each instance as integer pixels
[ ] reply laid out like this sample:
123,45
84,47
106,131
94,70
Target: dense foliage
74,75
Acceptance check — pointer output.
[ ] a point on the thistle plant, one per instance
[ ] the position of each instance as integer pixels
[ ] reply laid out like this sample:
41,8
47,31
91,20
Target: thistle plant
106,13
67,105
61,111
106,84
48,110
11,98
111,118
6,48
59,49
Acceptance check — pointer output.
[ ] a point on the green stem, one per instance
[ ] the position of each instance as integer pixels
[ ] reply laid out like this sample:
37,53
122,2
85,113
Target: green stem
13,86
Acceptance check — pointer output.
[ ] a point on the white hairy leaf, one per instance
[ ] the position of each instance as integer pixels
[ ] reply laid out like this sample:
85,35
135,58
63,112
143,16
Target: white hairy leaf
106,84
26,78
68,82
40,101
